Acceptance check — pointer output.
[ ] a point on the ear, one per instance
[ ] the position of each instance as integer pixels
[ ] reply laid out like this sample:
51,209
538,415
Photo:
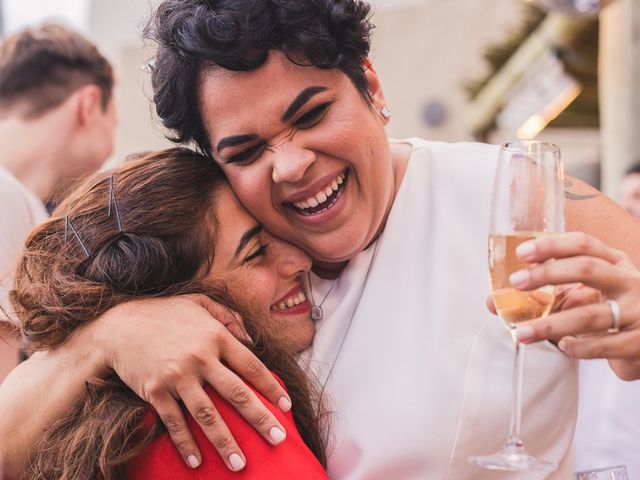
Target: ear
89,104
375,88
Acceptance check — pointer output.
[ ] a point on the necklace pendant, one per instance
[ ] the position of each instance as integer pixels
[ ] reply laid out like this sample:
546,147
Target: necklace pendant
316,313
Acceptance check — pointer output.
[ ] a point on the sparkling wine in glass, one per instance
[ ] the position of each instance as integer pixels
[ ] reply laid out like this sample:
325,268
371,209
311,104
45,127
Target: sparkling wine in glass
513,305
527,202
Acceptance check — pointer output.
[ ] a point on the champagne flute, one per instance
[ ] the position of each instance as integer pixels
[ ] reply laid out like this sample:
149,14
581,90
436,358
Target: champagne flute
527,202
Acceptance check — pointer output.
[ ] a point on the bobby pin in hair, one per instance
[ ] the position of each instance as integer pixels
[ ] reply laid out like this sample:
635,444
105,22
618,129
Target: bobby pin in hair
68,225
114,202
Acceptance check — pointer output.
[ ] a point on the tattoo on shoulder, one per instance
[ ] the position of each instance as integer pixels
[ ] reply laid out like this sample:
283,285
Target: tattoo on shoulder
576,196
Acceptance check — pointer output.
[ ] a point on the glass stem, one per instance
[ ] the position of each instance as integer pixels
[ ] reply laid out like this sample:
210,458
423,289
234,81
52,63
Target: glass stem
514,439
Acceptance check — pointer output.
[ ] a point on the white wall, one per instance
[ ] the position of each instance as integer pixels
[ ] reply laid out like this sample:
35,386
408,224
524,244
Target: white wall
428,51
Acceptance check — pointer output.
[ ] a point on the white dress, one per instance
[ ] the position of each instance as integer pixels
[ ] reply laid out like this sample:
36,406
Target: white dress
417,371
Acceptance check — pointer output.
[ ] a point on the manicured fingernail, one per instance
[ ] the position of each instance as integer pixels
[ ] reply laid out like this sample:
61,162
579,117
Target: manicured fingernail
284,404
277,435
236,462
193,461
562,345
525,334
519,278
526,249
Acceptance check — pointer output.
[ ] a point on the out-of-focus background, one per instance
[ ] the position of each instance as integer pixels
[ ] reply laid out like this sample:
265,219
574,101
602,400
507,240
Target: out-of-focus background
453,70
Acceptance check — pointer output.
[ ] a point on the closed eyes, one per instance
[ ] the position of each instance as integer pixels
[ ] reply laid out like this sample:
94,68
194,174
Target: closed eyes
306,121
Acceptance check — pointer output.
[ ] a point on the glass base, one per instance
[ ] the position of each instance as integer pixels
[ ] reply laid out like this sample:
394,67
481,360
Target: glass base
512,458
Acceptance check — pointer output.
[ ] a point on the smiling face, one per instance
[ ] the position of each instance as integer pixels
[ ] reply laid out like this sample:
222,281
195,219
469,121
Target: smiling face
304,151
264,271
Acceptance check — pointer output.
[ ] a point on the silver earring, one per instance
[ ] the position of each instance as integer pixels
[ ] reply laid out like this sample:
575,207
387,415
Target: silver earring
385,112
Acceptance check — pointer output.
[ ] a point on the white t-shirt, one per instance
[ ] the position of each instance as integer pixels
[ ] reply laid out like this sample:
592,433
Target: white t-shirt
608,430
20,211
417,371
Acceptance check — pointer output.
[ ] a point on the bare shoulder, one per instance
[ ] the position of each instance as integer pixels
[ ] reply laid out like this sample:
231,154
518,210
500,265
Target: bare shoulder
590,211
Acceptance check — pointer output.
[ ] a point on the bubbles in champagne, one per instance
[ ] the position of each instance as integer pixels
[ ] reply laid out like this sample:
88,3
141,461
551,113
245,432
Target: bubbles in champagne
513,305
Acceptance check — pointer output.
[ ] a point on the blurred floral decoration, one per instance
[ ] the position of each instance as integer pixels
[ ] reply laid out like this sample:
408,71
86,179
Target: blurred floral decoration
497,55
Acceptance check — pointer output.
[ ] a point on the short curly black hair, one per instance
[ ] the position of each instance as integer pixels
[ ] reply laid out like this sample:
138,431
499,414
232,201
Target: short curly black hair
192,35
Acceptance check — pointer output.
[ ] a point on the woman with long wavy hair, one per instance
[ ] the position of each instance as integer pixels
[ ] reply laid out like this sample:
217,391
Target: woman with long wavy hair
164,224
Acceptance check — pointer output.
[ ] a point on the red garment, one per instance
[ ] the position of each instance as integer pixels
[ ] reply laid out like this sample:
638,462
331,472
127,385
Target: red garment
289,460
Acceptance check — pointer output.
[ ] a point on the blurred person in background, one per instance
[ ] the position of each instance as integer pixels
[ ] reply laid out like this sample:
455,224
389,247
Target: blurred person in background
57,119
631,190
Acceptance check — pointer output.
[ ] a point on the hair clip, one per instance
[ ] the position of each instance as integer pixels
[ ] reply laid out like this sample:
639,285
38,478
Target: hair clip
68,225
147,67
114,202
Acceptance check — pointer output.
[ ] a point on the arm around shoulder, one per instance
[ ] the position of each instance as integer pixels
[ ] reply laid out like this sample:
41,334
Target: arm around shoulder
38,391
590,211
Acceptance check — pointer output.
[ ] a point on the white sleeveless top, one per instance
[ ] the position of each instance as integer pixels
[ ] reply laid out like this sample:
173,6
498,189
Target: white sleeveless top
418,373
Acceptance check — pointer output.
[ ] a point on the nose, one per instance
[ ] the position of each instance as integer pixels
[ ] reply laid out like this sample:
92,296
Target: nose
290,161
290,260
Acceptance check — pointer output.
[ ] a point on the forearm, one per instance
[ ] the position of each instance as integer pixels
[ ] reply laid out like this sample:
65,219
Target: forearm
592,212
37,393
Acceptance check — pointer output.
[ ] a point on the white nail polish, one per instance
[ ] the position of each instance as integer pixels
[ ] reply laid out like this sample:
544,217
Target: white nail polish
284,404
276,435
193,461
236,462
525,333
525,249
562,345
519,278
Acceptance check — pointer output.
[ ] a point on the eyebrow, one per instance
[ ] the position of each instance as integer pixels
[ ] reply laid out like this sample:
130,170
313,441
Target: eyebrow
235,140
302,98
246,236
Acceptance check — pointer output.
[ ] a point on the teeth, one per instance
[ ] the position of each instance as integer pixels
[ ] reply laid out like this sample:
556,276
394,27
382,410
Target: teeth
291,301
301,298
321,196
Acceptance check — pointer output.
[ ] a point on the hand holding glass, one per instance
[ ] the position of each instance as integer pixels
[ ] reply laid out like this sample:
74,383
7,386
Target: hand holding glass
528,201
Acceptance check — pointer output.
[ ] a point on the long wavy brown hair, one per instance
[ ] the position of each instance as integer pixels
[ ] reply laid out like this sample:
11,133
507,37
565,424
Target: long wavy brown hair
145,229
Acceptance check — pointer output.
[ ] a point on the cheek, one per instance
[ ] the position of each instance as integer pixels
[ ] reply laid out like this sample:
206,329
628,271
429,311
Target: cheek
258,288
252,186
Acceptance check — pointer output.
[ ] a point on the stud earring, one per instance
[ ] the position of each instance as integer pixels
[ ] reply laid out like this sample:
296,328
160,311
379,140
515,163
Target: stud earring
385,112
